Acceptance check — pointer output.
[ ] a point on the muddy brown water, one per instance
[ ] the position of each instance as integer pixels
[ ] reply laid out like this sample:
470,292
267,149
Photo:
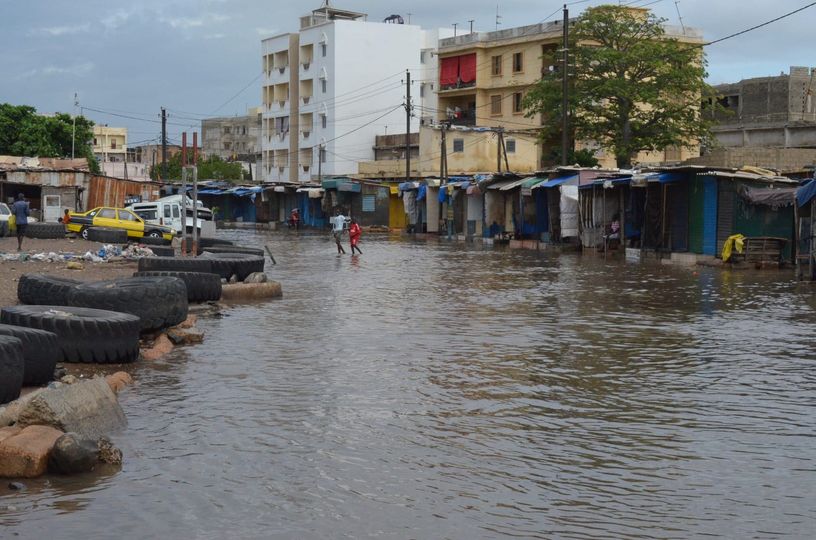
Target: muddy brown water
435,390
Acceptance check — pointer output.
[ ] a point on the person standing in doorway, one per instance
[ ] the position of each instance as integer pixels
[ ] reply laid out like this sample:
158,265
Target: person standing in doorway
354,236
338,226
21,212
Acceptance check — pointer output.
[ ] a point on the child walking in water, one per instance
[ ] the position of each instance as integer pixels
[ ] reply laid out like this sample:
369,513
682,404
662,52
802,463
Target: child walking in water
354,235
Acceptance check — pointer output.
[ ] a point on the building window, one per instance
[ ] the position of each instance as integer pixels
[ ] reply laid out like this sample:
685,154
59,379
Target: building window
510,146
497,65
495,104
422,57
95,143
323,121
517,99
113,144
323,85
323,50
518,62
226,130
458,145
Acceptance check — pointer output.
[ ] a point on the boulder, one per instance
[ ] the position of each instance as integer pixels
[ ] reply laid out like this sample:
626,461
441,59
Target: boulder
256,277
233,279
10,411
185,337
162,346
9,431
89,408
72,454
108,453
190,322
74,265
25,455
251,291
119,381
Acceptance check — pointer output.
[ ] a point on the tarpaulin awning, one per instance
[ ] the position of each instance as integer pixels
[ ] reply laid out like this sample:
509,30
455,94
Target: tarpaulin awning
394,189
467,68
775,198
421,192
474,190
433,182
210,192
555,182
448,71
407,186
806,193
280,189
667,177
352,187
499,185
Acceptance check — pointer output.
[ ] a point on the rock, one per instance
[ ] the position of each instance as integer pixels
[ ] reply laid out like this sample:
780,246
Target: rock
9,431
60,372
185,337
69,379
72,454
108,453
162,346
55,384
233,279
256,277
189,322
10,411
251,291
74,265
25,455
16,486
119,380
89,408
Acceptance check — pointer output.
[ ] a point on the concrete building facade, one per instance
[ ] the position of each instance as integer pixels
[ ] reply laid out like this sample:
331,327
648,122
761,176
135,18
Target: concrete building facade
109,143
330,88
236,138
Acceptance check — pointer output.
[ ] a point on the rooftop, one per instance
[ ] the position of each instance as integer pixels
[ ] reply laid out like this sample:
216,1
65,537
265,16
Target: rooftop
327,13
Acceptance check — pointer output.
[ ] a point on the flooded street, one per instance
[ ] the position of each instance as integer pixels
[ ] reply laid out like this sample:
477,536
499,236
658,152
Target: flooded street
436,390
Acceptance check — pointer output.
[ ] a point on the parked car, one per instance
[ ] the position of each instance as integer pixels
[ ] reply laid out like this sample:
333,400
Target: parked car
117,218
7,225
167,211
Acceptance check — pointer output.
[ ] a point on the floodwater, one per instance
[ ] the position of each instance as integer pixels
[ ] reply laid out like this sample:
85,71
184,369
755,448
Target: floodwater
436,390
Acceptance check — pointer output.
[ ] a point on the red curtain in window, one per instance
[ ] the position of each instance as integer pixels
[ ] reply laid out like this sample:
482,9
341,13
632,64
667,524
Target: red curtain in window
467,68
448,71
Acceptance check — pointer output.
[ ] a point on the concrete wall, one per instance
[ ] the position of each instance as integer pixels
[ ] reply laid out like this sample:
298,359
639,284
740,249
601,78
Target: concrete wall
232,137
479,155
782,159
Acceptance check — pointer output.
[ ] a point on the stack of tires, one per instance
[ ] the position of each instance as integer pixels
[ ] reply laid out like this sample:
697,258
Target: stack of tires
224,261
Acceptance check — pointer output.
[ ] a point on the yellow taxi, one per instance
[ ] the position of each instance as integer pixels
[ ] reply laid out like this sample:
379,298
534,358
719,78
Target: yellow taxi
116,218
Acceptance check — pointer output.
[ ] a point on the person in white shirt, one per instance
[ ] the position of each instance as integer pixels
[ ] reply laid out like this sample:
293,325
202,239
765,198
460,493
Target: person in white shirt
338,226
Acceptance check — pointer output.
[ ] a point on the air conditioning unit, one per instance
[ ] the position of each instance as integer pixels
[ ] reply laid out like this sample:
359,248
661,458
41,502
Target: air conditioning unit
306,65
306,134
281,70
305,168
282,104
306,99
281,169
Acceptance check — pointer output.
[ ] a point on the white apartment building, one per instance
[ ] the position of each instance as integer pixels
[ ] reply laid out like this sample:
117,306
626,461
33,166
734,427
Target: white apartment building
325,83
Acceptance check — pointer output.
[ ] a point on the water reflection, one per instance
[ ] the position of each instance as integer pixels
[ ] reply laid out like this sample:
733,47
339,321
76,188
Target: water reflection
443,390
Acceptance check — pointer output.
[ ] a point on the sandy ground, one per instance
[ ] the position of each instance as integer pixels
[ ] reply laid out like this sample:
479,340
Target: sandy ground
10,271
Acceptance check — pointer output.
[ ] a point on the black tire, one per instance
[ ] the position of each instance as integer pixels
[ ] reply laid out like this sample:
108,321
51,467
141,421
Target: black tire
43,290
41,352
11,368
45,230
176,264
107,235
153,241
235,249
163,251
239,264
84,335
200,287
209,242
159,302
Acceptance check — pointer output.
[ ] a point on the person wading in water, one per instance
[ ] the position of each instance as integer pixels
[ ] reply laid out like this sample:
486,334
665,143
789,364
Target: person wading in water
354,236
338,226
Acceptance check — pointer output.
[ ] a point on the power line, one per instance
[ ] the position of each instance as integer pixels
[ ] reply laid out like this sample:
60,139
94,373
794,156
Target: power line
766,23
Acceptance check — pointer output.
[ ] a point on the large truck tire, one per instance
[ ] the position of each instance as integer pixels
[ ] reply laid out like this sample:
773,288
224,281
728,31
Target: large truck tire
45,230
209,242
153,241
107,235
235,249
201,287
163,251
84,335
44,290
176,264
238,264
11,368
158,302
41,352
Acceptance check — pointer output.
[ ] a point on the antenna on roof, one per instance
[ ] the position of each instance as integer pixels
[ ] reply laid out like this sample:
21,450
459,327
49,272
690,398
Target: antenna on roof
677,7
498,18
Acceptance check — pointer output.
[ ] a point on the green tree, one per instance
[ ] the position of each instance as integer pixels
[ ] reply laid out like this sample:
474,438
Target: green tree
210,168
23,132
634,89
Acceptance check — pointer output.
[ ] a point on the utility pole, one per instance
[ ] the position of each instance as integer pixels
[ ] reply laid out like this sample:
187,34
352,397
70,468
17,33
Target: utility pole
565,93
454,28
407,125
183,190
164,143
498,18
195,193
73,129
498,132
320,164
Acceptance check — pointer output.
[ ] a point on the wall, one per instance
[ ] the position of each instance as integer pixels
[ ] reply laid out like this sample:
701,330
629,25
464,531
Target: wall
782,159
479,155
106,191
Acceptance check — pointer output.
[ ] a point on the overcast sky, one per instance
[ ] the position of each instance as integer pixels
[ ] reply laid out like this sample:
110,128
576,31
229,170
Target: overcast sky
192,56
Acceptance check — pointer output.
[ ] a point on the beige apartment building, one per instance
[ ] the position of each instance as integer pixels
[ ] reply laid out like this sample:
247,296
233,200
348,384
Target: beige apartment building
109,143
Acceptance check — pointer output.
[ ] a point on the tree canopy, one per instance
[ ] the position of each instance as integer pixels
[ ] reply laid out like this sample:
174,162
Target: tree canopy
633,88
23,132
210,168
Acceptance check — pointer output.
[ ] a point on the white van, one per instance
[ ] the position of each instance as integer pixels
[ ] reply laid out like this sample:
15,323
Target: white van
167,211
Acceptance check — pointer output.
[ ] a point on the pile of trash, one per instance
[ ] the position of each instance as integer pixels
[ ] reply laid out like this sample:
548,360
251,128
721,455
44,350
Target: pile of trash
106,253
